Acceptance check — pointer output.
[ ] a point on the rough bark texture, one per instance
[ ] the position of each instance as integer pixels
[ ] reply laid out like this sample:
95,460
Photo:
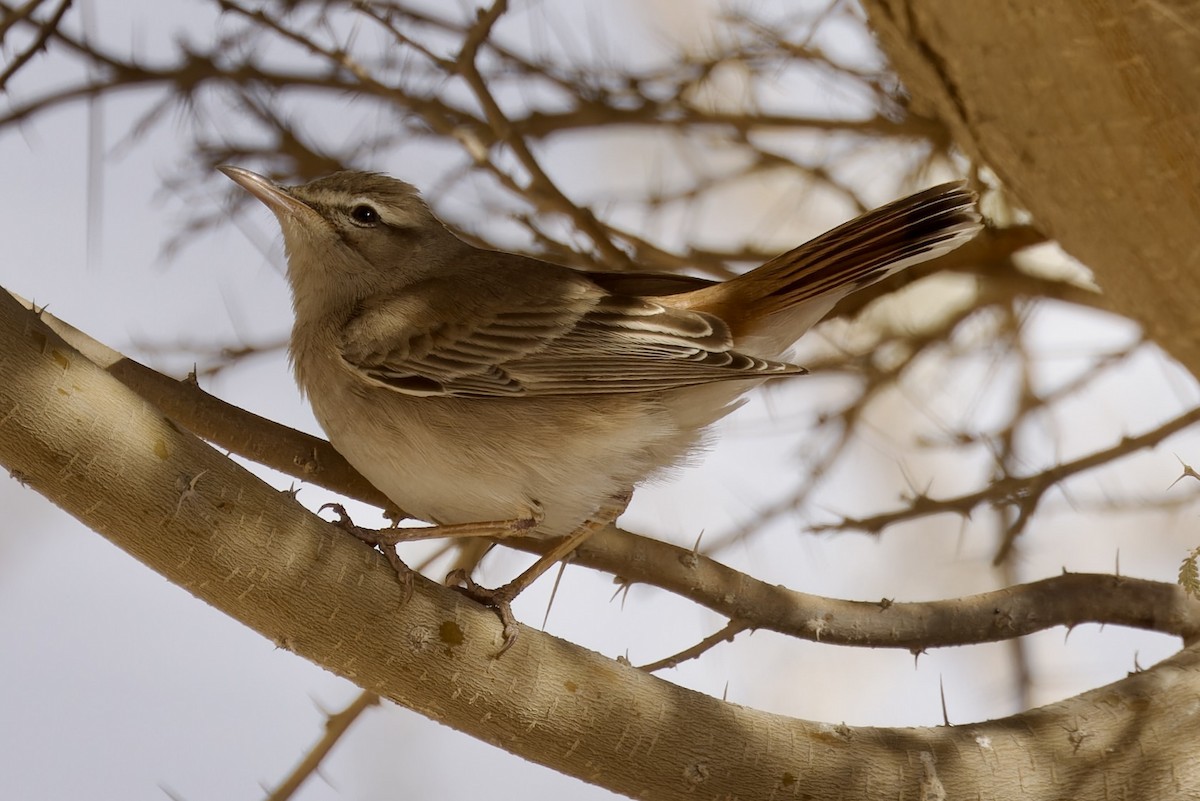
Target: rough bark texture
74,433
1089,112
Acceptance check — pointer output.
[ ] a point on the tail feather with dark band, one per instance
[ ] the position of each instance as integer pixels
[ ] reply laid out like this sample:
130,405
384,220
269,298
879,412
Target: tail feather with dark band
865,250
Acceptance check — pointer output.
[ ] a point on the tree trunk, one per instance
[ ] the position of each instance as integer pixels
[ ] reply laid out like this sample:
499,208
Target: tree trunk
1089,112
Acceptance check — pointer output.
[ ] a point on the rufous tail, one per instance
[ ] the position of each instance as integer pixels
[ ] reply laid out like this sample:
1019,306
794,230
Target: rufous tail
865,250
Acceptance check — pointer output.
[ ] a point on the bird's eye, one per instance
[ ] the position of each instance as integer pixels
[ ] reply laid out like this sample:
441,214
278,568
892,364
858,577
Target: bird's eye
364,214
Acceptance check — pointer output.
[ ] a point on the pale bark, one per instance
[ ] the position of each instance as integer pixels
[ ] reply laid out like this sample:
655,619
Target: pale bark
74,433
1069,599
1090,114
1087,111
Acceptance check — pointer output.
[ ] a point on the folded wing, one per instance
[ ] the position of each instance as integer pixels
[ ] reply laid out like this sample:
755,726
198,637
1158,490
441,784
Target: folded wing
581,343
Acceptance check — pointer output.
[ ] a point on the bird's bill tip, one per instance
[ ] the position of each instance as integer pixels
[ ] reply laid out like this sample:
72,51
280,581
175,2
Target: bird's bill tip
274,196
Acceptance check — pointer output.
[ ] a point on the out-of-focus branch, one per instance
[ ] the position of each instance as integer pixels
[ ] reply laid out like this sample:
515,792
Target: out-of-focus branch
615,97
541,186
44,31
336,726
1023,493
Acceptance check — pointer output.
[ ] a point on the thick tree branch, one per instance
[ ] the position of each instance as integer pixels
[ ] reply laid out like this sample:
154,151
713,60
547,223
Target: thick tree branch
279,447
1100,147
1066,600
68,429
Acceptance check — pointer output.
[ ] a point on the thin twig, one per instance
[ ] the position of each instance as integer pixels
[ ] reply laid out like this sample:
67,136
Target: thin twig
1022,492
336,725
45,31
726,634
540,182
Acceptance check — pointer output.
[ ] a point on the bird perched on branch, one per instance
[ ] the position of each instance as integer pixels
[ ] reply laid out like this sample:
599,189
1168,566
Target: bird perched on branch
493,394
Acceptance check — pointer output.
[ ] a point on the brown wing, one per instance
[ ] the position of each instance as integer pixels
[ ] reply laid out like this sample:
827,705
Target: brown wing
576,343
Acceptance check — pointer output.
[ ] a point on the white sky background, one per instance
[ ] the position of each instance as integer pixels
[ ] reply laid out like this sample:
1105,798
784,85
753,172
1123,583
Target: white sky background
116,684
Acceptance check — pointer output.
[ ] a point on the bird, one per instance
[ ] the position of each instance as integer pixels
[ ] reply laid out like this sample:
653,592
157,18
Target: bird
492,393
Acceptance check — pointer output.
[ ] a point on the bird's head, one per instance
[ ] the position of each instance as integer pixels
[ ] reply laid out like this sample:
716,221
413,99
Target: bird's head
350,233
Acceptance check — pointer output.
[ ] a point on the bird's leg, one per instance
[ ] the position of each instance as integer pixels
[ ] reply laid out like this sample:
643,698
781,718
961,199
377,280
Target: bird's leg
501,598
386,539
381,537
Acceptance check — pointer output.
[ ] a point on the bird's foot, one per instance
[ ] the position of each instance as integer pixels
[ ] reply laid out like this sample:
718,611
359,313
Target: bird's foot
383,540
499,599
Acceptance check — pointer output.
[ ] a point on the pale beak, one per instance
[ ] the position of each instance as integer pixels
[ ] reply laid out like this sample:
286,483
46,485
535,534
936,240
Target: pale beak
275,197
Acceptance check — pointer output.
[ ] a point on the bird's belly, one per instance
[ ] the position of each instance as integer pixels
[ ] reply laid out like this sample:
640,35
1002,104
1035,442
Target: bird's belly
429,478
449,460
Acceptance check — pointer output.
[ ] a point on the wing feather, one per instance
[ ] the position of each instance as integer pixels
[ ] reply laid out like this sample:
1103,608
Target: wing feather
574,344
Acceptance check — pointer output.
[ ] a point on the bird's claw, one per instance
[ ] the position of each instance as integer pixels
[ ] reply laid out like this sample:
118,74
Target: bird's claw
380,541
498,599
